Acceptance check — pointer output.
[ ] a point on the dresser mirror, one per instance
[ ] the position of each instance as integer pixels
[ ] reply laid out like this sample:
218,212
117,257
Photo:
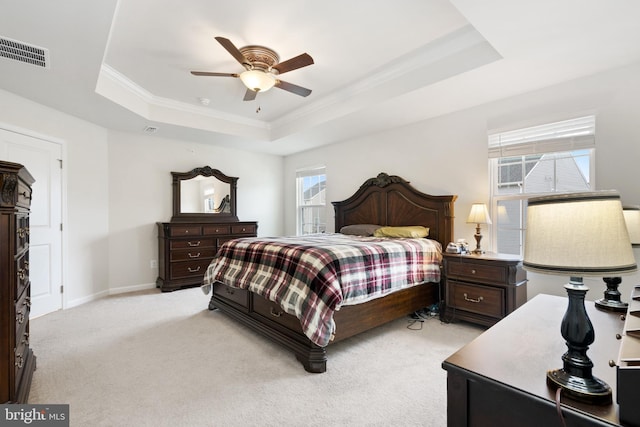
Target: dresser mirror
204,194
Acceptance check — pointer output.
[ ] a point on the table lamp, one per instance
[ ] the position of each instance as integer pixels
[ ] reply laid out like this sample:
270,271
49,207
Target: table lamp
611,300
478,215
581,234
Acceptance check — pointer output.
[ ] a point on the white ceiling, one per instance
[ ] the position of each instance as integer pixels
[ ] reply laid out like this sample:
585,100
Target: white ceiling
378,64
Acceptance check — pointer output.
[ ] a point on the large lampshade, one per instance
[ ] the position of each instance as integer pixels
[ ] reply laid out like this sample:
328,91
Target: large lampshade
258,81
582,234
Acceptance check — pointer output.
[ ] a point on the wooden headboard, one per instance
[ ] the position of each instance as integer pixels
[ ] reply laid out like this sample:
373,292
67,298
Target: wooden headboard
391,200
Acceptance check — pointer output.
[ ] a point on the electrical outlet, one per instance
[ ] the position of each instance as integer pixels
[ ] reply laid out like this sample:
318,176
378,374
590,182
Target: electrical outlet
154,263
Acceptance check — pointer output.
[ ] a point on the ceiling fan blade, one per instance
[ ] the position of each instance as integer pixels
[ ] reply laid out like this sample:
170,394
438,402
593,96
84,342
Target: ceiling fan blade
294,63
290,87
207,73
250,95
233,50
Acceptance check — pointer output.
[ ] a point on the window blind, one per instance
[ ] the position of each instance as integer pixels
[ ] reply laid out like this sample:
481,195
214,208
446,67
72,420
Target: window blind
567,135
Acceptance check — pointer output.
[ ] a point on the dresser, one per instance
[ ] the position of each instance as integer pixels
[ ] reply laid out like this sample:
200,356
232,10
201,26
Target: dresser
500,378
17,361
187,248
204,217
483,288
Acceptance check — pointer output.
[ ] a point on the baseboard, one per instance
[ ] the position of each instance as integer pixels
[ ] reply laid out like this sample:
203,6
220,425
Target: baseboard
134,288
112,291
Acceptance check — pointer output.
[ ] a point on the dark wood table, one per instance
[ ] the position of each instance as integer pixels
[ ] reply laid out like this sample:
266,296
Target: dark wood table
499,379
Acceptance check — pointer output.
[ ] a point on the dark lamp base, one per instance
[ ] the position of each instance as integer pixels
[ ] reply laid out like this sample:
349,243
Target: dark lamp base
589,390
610,301
612,305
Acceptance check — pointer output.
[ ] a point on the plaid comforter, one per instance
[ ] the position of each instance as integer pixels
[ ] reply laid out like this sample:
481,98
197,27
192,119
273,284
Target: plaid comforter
311,277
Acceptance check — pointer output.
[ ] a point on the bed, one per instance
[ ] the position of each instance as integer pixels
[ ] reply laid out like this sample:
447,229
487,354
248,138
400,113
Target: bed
384,200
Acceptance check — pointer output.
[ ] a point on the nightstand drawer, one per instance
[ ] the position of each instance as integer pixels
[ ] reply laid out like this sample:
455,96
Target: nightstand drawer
485,300
492,274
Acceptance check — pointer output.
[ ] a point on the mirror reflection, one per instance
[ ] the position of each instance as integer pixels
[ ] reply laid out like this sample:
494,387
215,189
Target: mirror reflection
204,195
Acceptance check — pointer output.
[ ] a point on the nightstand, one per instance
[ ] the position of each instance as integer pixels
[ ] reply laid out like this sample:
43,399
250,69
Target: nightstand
483,288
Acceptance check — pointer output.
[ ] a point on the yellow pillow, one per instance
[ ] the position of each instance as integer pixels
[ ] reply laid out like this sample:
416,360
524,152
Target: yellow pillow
408,231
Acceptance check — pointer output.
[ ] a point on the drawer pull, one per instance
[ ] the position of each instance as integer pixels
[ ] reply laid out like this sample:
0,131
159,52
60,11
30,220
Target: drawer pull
473,271
25,338
19,361
21,233
466,298
27,302
275,313
25,195
21,274
229,290
194,256
193,245
26,265
20,317
191,270
244,229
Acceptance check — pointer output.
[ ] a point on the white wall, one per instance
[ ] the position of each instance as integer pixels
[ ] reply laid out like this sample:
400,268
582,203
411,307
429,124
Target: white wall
448,154
117,185
86,212
140,194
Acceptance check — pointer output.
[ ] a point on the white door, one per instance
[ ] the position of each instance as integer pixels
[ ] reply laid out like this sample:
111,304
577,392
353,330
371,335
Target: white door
42,160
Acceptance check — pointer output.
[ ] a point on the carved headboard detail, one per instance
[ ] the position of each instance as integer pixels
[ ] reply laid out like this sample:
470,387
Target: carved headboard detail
391,200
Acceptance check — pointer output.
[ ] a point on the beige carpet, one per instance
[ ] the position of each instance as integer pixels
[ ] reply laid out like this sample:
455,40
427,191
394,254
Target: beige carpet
163,359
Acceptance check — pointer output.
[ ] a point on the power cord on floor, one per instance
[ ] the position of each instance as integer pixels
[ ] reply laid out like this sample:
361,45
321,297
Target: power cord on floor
417,318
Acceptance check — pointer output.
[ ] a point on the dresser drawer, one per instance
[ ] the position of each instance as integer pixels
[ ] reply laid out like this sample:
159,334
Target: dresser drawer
275,313
192,254
215,229
485,273
22,233
22,274
233,295
22,310
24,195
184,269
185,230
243,229
485,300
192,243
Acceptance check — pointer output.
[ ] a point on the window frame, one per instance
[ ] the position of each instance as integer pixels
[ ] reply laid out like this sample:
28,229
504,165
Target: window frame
321,227
532,142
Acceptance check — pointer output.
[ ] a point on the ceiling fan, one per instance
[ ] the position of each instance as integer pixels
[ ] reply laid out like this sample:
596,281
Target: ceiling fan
261,69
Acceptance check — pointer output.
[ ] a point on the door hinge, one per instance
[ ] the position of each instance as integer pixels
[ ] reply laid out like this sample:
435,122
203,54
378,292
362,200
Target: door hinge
60,160
61,289
60,226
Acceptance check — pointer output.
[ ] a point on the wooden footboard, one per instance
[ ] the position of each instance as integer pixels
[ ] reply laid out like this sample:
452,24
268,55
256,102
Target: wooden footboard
266,318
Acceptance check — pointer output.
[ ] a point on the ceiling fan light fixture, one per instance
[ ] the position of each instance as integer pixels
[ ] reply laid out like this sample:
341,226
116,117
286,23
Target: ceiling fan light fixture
258,81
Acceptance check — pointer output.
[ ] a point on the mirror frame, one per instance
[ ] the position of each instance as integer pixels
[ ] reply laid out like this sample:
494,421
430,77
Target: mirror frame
179,216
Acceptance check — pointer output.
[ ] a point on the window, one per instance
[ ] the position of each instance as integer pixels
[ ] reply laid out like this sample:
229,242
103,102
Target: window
552,158
311,201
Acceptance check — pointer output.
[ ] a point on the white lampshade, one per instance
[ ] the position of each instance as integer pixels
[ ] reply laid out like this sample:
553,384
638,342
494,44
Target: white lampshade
632,218
479,214
258,81
582,234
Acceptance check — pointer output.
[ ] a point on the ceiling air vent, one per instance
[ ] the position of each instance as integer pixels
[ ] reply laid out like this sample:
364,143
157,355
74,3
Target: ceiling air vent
23,52
151,129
